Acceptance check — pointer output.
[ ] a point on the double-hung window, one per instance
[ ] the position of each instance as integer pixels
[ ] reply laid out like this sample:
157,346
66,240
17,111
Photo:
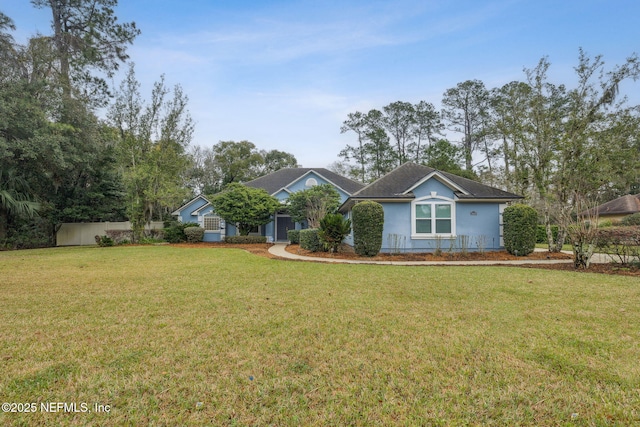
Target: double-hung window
432,218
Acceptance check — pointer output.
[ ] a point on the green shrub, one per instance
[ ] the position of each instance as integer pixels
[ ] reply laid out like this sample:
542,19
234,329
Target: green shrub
174,231
633,219
541,233
368,221
245,239
621,243
104,241
309,240
520,229
333,229
293,236
194,234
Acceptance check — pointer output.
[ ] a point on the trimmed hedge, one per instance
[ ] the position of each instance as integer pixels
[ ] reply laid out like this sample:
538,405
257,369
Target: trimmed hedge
174,231
368,222
310,241
520,229
633,219
245,239
194,234
293,236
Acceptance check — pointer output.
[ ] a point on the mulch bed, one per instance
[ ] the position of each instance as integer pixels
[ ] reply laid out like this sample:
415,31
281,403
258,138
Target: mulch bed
262,249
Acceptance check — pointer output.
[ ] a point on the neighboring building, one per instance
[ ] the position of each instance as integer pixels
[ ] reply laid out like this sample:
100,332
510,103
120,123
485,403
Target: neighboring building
616,209
279,184
426,209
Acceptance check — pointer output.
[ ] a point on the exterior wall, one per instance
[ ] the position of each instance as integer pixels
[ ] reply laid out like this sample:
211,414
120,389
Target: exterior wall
83,234
185,213
479,222
301,185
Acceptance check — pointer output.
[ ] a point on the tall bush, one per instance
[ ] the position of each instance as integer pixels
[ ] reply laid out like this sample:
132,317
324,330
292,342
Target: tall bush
333,229
194,234
520,227
309,240
368,221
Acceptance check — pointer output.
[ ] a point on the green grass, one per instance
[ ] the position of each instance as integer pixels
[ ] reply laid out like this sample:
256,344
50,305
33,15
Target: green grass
153,331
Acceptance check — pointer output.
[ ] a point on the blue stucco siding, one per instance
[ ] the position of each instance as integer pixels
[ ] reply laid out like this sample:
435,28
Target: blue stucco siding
212,236
481,222
478,222
184,215
301,184
282,195
433,185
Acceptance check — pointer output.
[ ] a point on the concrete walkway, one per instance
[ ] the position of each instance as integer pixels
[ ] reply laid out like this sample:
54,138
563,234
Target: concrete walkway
279,250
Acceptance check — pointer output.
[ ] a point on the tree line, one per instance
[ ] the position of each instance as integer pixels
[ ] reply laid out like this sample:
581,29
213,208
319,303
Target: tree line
564,147
61,162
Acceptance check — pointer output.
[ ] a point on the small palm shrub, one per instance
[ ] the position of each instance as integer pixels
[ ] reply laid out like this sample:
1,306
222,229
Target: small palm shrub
333,229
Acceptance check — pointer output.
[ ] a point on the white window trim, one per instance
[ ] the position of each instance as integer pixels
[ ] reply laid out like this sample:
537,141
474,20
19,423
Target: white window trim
221,223
433,200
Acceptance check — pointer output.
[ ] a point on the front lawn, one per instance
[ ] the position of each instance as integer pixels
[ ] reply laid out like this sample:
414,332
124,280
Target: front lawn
181,336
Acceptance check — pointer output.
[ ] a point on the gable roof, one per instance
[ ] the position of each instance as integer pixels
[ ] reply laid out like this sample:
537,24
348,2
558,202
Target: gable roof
624,205
399,183
190,202
282,178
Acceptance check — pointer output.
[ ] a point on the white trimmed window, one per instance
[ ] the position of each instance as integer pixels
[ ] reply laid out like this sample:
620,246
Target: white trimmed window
211,222
433,217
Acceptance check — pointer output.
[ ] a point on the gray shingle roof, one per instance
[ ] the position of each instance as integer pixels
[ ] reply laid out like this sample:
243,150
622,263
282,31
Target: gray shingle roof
397,182
281,178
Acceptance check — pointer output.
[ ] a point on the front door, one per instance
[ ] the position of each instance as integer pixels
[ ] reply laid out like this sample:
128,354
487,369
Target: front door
284,223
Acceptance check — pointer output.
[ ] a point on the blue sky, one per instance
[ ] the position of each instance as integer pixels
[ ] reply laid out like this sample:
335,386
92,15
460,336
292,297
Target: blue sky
285,74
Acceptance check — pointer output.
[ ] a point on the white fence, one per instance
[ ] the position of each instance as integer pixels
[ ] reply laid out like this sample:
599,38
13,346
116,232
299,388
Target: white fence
83,234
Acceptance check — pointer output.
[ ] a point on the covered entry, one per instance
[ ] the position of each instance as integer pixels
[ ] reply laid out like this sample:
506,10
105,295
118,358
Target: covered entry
284,223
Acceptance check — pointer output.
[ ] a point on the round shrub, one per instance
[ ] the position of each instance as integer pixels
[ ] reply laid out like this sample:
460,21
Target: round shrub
174,231
293,236
520,227
309,240
194,234
633,219
368,221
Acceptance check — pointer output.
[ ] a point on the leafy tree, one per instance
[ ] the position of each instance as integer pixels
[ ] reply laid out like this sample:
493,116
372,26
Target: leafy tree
274,160
427,128
333,229
152,141
447,157
236,161
246,206
413,129
313,204
87,36
16,199
398,121
230,161
465,109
